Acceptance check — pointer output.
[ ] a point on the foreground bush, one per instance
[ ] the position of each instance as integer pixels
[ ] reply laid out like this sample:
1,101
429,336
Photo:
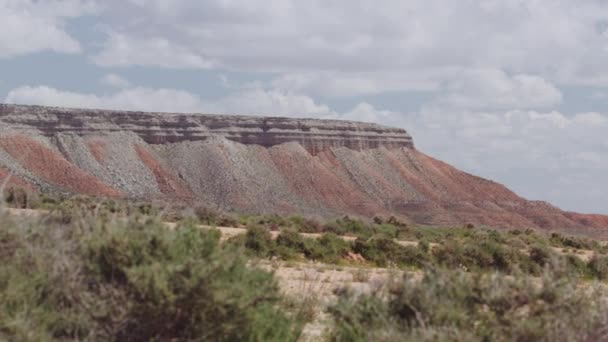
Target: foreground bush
458,306
132,281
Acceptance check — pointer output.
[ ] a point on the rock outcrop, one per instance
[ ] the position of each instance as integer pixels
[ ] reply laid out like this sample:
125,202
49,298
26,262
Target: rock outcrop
162,128
259,165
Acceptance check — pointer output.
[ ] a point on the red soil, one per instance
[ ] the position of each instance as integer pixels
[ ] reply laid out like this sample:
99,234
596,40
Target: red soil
53,167
97,147
167,182
313,181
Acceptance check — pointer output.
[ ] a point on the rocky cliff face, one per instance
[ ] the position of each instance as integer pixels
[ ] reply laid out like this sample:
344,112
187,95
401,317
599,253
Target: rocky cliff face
259,165
162,128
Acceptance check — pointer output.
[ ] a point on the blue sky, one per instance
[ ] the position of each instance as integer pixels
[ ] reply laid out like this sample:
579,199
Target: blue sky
511,90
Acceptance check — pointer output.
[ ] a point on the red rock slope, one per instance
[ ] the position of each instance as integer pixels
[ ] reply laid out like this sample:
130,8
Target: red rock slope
262,165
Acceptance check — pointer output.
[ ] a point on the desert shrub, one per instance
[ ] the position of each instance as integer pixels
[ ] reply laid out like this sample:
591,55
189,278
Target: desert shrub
439,234
305,225
289,245
131,280
516,241
206,215
577,267
331,248
488,254
560,240
291,239
348,226
44,201
392,227
270,222
17,197
541,255
484,255
455,306
384,252
396,222
424,246
211,217
598,267
147,209
259,241
450,254
387,230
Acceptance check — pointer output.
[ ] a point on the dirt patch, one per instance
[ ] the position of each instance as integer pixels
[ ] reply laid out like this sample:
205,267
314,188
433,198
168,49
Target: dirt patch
583,254
314,287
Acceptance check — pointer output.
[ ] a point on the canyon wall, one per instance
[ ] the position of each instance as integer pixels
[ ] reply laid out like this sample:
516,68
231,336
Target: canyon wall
317,168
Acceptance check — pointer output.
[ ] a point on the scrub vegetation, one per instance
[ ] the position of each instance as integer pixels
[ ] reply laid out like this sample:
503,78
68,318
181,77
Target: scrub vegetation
85,269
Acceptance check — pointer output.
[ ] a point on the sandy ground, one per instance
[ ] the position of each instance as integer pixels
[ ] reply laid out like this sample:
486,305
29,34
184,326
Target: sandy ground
313,286
583,254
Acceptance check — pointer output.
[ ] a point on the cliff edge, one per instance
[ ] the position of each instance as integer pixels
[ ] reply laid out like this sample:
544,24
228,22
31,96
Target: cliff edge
162,128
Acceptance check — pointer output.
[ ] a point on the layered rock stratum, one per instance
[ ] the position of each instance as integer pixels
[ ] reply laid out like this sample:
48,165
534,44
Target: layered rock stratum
322,168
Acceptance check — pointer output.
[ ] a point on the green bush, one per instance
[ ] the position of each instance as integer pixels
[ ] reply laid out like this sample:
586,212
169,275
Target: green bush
131,280
598,267
305,225
259,241
459,306
291,239
541,255
330,248
384,252
289,245
348,226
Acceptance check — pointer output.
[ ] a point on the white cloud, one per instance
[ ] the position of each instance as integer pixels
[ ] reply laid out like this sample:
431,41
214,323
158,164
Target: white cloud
121,50
352,84
115,81
156,100
254,101
560,41
491,88
32,26
258,101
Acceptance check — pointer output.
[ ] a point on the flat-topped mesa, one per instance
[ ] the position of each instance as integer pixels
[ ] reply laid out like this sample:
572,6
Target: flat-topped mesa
160,128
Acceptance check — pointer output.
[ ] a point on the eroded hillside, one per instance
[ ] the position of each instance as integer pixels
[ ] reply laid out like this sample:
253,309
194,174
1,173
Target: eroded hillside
256,164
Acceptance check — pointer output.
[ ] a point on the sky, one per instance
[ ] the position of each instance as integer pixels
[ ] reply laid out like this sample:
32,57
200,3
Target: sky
511,90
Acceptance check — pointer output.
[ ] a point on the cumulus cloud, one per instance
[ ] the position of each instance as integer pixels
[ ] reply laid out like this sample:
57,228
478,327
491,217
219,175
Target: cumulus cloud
353,84
32,26
121,50
273,102
115,81
252,101
491,88
138,98
560,41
